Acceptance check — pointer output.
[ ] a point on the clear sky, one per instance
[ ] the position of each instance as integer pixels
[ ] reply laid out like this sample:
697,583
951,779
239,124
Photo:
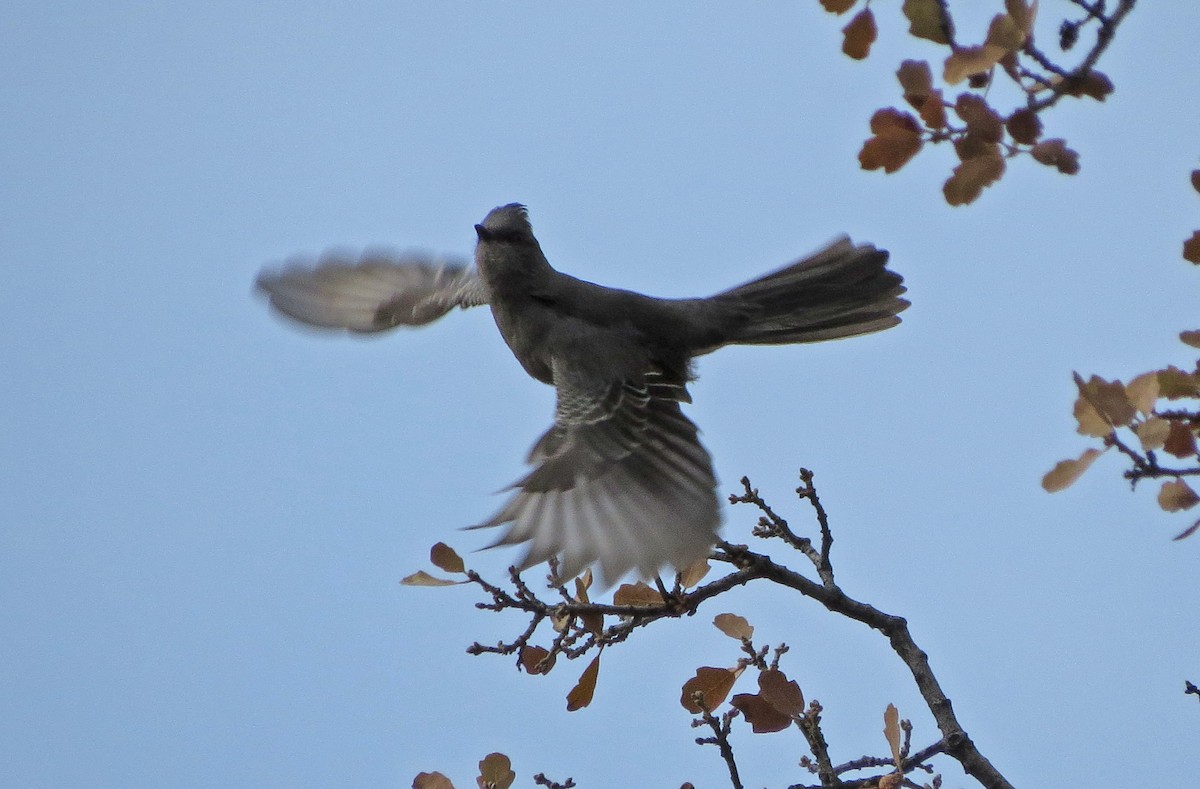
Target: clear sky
205,513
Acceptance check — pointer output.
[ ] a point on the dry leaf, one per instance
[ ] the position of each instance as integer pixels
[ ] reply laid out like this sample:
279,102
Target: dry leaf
891,731
1191,338
1174,383
1108,398
967,61
1089,419
933,111
638,594
859,35
1181,442
897,139
762,717
1153,433
780,692
713,685
1191,248
971,177
917,81
445,558
1065,472
581,695
982,121
1176,495
1055,153
534,660
1196,180
431,781
495,772
1143,392
694,574
1023,15
1024,126
422,578
925,20
891,781
734,626
838,6
1004,32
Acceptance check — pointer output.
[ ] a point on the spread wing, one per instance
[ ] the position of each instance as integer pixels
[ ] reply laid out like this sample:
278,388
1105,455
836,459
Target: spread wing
371,292
620,479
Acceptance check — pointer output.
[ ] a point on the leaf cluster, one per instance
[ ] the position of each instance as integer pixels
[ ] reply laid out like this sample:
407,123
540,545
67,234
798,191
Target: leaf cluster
984,137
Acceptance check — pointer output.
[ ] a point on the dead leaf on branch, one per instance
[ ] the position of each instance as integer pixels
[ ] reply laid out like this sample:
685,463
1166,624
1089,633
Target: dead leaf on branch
638,594
968,61
1191,338
916,79
1065,472
694,574
926,19
1153,433
445,558
891,731
760,714
982,121
838,6
859,35
780,692
1109,398
897,139
1089,419
1181,441
713,685
581,695
1142,392
1024,126
971,177
536,660
495,772
431,781
422,578
1055,153
734,626
1191,248
1004,32
1176,495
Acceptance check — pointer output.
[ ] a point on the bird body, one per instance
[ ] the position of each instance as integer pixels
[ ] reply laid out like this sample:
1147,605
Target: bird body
620,479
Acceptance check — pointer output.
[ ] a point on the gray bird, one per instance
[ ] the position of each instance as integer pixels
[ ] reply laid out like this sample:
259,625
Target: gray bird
621,478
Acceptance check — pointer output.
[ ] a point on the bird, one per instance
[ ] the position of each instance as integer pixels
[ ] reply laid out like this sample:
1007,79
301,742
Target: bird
620,480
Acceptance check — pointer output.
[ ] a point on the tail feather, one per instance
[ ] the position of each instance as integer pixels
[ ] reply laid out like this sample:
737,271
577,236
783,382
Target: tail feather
842,291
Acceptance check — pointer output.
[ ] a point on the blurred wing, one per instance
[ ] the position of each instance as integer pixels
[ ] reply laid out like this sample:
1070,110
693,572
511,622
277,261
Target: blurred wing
372,292
620,479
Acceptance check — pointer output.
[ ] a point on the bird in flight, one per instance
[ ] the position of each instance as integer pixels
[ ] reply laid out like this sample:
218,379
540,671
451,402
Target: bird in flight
620,479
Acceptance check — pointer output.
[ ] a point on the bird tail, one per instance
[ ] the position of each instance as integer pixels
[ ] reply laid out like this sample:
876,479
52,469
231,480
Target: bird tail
842,291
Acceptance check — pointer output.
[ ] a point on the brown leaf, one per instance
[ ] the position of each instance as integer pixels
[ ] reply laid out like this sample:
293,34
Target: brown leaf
897,139
1024,126
1143,392
713,685
859,34
1174,383
1176,495
967,61
1089,419
1055,153
1022,14
933,110
534,660
581,695
891,731
762,717
1108,398
1196,180
1093,84
1191,247
1004,32
495,772
971,177
1153,433
917,81
734,626
926,20
1065,472
444,558
838,6
982,121
780,692
694,574
1181,441
422,578
431,781
970,146
638,594
583,582
1191,338
891,781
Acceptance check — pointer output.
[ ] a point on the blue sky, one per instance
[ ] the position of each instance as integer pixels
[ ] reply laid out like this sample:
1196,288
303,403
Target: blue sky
207,513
